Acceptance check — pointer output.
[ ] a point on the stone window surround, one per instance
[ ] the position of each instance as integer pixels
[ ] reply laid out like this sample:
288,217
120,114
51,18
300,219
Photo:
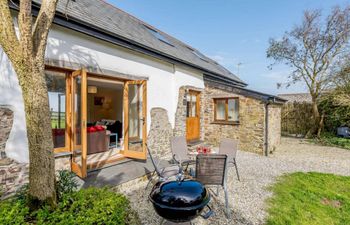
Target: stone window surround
224,122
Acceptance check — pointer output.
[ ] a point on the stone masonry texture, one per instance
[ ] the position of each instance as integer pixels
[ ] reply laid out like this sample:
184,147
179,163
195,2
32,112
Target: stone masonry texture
160,133
6,121
250,130
274,131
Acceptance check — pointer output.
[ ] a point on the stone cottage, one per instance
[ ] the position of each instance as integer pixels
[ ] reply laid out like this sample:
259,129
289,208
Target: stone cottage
116,83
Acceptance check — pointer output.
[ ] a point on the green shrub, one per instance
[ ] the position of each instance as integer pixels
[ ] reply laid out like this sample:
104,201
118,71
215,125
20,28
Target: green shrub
335,105
87,206
13,211
332,140
66,183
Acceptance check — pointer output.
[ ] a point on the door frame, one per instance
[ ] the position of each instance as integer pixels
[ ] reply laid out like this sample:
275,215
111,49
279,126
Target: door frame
198,114
80,170
127,152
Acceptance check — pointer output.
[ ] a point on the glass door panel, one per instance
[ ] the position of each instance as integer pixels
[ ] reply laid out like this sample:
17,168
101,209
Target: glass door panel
56,87
135,119
78,99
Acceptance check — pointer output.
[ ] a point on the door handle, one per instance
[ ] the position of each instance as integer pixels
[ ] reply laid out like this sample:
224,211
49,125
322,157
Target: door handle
143,120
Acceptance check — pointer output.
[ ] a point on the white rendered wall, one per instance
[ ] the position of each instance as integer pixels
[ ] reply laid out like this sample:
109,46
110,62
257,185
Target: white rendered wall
186,77
11,96
164,79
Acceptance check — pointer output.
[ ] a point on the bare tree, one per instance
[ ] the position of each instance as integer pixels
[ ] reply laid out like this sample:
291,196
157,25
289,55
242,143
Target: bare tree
26,51
312,49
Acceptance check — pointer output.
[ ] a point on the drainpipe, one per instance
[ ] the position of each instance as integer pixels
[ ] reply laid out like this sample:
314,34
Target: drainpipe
266,144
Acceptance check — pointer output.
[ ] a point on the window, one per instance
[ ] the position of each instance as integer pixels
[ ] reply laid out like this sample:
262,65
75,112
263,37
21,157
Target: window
56,86
159,36
198,54
226,110
191,104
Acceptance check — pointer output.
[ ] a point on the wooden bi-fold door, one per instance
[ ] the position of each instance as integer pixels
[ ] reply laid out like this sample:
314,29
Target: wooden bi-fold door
135,115
78,98
193,116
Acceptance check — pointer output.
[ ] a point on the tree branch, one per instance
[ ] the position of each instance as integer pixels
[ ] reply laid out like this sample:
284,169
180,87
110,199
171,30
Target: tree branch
25,27
42,26
8,38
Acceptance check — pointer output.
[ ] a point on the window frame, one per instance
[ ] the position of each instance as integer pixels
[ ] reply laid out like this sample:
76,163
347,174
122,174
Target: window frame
67,73
225,121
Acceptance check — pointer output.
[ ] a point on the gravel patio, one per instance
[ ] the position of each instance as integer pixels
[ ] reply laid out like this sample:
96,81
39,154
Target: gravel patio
257,173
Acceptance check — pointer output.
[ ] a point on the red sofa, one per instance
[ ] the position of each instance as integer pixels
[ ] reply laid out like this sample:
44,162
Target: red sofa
97,139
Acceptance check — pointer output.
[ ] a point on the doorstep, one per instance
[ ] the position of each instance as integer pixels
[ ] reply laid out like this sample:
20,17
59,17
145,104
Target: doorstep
118,173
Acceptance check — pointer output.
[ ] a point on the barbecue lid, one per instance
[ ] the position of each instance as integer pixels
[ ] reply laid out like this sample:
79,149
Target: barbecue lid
187,193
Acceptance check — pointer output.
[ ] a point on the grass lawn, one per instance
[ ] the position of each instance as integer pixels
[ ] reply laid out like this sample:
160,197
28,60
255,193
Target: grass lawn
310,198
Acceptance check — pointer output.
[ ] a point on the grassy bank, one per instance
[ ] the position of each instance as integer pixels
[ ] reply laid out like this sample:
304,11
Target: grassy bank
310,198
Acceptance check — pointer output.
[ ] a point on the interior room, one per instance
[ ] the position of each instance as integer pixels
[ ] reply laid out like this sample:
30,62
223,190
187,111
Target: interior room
104,119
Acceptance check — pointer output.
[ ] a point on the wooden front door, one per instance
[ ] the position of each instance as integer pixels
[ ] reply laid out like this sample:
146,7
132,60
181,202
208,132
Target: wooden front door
135,115
78,98
193,116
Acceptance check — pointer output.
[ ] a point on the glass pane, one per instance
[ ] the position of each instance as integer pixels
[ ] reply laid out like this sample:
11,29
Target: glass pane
233,110
56,86
77,111
188,106
194,106
77,119
135,117
220,109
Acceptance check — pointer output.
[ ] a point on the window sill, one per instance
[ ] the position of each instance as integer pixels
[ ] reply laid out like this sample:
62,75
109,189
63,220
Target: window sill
226,122
62,154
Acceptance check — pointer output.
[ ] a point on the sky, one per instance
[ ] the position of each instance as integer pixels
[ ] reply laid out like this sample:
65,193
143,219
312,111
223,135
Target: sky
231,31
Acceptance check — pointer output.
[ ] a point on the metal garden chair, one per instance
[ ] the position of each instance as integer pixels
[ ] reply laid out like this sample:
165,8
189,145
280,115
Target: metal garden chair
180,151
164,173
229,147
211,170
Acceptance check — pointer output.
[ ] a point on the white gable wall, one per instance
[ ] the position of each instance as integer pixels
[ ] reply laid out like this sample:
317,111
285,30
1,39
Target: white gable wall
164,79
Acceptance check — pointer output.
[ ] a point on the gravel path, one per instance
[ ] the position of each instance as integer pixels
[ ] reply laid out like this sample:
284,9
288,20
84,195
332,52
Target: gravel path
257,173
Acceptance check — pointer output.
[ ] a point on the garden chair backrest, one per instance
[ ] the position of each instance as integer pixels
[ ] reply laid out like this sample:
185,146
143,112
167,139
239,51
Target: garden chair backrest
179,148
153,162
228,147
211,169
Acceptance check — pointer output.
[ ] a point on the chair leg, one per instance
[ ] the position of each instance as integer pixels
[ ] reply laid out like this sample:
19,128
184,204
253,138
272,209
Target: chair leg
226,204
234,160
150,180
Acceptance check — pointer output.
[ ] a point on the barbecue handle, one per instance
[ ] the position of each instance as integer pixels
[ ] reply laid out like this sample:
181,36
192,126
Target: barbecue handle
208,214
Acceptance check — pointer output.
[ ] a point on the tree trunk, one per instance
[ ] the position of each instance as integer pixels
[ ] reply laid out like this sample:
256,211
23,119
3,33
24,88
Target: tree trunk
41,157
320,126
315,118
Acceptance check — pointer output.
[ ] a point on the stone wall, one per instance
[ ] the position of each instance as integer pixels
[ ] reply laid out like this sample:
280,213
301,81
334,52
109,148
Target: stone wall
274,127
62,161
12,176
180,116
160,133
249,131
6,121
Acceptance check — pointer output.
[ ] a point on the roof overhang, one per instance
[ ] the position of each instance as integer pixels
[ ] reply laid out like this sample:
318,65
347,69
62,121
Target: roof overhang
267,98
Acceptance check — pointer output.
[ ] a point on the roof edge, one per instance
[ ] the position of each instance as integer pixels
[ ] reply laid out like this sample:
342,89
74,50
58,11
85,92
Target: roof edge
268,98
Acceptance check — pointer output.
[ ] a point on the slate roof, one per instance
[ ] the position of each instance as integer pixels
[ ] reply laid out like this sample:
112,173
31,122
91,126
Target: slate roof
108,18
297,97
